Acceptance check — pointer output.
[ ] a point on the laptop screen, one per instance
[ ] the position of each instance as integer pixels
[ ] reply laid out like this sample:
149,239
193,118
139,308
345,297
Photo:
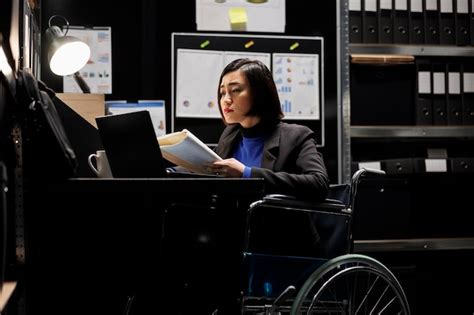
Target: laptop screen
131,145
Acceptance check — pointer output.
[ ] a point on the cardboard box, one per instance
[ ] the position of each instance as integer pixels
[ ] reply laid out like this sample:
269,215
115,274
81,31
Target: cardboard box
89,106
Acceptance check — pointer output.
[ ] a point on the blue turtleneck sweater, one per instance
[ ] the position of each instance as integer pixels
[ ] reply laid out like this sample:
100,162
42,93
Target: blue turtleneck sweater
249,152
250,148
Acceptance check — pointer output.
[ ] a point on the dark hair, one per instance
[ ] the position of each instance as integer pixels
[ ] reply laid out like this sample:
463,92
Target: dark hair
265,101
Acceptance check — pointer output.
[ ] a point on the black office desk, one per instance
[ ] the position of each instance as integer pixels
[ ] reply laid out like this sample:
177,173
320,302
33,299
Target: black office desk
165,234
238,186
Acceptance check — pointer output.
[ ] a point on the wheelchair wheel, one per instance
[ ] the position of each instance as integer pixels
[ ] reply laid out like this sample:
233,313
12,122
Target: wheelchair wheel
351,284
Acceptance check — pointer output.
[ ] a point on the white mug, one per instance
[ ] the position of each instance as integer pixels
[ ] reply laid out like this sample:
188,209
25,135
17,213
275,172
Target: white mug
103,168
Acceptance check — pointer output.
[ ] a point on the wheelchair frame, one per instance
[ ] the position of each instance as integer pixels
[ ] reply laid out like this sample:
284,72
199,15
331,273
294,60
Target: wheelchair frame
345,283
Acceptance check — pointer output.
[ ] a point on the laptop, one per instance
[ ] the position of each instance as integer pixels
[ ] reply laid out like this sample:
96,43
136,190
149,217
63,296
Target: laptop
132,147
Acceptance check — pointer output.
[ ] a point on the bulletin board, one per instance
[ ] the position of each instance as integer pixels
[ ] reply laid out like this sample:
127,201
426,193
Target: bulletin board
297,64
98,71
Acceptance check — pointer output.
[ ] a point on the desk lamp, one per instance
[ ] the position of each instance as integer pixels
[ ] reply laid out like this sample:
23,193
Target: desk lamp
67,54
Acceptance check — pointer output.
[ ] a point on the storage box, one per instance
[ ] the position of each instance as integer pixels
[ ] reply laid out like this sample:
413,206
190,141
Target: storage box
88,106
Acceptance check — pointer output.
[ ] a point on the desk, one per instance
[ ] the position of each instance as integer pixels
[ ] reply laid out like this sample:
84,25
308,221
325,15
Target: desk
88,229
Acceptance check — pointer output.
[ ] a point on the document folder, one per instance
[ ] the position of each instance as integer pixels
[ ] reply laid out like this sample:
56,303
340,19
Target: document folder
431,22
447,33
355,21
454,109
439,94
471,14
468,94
386,21
462,21
401,27
416,22
398,166
462,165
369,22
423,106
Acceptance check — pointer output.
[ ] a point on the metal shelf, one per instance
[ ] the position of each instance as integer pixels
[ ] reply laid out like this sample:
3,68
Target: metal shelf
418,244
412,132
413,50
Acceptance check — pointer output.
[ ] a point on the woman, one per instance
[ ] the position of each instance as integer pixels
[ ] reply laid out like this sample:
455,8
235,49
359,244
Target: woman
257,144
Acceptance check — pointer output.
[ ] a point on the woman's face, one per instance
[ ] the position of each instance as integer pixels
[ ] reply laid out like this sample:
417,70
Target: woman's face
236,100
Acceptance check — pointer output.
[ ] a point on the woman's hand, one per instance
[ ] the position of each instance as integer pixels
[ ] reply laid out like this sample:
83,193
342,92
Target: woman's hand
228,168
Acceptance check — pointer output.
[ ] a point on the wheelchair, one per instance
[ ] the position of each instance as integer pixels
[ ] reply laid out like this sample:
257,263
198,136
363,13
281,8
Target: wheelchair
311,269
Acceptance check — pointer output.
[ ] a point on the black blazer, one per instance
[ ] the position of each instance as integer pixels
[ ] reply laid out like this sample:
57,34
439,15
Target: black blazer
291,164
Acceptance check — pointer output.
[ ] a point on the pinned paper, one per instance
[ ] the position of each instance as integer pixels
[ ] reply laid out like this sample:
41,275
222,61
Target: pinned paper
238,19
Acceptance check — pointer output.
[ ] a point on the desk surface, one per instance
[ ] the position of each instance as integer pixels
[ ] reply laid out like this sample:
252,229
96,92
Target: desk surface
238,186
137,235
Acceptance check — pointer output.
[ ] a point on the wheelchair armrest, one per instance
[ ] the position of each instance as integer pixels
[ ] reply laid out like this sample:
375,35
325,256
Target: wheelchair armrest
292,203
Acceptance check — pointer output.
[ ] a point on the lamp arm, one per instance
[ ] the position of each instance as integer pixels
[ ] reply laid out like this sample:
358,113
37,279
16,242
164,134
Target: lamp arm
82,83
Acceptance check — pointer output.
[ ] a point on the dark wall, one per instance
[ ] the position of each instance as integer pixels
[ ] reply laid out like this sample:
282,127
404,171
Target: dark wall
141,47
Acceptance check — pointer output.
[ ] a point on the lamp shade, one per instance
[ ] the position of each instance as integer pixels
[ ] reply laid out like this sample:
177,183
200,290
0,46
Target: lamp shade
66,54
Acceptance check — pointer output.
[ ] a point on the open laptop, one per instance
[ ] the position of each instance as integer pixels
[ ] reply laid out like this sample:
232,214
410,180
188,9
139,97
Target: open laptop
132,147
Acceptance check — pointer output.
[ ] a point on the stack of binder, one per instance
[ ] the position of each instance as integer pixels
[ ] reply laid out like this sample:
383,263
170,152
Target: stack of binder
445,92
401,167
430,22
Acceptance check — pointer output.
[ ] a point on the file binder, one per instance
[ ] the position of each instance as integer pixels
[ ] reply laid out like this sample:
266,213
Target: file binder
471,14
386,21
398,166
447,33
416,22
462,21
401,27
369,22
468,94
454,107
423,104
462,165
431,22
439,93
355,21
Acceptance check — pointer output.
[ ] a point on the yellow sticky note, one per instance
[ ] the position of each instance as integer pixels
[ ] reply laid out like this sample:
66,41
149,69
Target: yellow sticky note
238,18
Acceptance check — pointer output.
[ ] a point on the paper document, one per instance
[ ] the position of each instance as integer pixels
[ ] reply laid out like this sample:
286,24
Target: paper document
186,150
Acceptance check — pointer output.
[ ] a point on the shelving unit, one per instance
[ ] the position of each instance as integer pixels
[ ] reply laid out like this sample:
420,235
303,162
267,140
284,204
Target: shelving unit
412,132
414,244
415,219
30,38
413,50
